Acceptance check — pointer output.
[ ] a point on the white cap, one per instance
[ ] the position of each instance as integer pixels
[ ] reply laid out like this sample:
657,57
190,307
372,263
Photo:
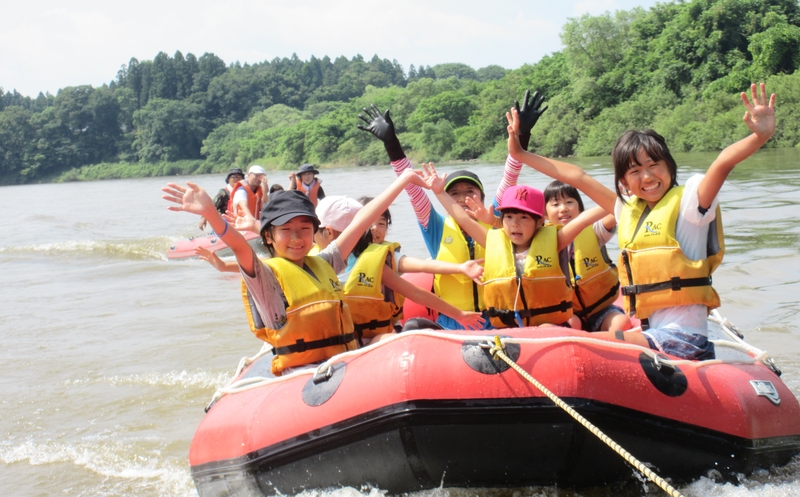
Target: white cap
337,212
257,170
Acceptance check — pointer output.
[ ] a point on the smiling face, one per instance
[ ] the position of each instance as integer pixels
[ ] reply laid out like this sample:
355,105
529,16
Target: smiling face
562,209
293,240
378,230
648,179
460,190
519,227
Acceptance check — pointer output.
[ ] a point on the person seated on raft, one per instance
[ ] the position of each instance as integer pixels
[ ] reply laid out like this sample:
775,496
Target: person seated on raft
444,238
375,300
299,297
249,195
305,180
526,278
224,195
670,236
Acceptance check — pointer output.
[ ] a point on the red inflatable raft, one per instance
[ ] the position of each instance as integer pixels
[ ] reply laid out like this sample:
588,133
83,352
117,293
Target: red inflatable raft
428,408
183,249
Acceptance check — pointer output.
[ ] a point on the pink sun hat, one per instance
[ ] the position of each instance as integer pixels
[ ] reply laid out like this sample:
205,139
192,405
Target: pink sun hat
523,198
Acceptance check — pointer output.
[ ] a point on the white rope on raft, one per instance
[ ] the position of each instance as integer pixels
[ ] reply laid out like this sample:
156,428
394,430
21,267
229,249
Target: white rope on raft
755,355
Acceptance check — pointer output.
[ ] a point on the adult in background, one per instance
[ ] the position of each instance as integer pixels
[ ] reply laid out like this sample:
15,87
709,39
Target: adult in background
249,194
223,197
306,181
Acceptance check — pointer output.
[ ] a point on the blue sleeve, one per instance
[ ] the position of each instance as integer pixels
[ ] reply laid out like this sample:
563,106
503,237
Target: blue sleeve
433,234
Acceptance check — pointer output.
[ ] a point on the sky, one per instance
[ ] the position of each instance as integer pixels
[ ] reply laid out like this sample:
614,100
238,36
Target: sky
50,44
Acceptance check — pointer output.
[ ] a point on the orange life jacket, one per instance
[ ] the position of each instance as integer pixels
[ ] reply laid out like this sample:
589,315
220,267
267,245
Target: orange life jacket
253,198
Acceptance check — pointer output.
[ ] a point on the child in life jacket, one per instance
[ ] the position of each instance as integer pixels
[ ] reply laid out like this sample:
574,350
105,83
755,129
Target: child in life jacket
299,297
444,238
670,236
526,275
595,278
305,180
372,285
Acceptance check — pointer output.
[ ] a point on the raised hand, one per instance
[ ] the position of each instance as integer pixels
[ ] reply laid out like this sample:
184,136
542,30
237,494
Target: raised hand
530,111
210,257
473,270
242,222
514,148
192,199
378,124
480,212
760,114
432,181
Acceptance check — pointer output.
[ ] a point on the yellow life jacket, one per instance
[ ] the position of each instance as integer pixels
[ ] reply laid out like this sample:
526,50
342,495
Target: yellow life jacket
373,308
541,294
318,324
457,289
656,273
595,278
315,250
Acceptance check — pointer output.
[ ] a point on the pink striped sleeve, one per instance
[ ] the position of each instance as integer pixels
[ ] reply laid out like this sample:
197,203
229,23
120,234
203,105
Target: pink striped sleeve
419,201
510,176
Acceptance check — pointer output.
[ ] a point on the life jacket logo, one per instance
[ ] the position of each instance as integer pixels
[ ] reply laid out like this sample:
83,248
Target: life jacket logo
364,280
448,240
336,285
590,262
542,261
652,229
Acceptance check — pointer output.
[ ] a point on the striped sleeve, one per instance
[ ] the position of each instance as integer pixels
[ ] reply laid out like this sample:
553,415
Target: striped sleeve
510,176
419,201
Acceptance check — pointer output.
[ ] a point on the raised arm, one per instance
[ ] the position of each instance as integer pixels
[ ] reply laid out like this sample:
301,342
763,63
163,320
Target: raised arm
760,118
373,210
467,319
471,269
562,171
195,200
380,125
586,218
436,184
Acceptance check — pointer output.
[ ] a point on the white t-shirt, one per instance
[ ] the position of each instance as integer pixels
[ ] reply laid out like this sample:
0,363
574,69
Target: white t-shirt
692,234
239,196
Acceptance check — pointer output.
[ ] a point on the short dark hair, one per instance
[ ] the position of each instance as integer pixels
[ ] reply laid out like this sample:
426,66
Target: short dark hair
519,211
558,189
628,145
386,214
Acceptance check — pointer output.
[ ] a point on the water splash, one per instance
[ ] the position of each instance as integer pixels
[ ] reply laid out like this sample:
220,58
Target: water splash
152,248
196,379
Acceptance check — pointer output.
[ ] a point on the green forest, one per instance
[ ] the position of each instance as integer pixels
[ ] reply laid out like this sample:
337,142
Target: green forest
677,67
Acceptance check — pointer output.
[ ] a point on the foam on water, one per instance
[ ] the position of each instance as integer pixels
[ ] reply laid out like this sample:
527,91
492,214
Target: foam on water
152,248
119,467
185,379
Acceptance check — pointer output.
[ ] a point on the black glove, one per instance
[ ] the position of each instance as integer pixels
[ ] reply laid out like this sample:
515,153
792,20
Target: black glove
528,115
382,127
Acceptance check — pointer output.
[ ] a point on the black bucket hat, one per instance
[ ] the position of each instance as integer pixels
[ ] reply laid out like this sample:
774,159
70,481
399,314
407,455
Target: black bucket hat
307,168
233,171
463,175
285,205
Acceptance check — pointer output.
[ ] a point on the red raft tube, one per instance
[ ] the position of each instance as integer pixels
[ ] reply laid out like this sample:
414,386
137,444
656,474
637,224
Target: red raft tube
184,249
429,408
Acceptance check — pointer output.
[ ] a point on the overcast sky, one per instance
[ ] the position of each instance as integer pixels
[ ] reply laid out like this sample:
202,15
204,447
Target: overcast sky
47,44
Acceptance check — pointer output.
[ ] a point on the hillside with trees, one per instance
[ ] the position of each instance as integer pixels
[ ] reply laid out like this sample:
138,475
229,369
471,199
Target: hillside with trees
677,67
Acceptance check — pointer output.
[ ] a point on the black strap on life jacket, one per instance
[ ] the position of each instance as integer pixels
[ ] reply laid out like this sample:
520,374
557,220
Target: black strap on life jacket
372,325
589,309
507,316
673,284
302,346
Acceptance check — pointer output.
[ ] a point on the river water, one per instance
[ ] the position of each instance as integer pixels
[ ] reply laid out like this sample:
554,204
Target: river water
110,351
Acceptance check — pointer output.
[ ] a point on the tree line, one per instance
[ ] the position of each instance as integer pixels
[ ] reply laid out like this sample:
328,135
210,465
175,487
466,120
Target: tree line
677,67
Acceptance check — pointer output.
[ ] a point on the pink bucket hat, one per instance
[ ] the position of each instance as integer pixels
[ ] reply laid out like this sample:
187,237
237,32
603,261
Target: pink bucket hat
523,198
337,212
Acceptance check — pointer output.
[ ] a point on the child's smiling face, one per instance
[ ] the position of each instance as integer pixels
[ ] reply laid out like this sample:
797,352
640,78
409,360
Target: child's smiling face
378,230
293,240
562,209
519,227
649,180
